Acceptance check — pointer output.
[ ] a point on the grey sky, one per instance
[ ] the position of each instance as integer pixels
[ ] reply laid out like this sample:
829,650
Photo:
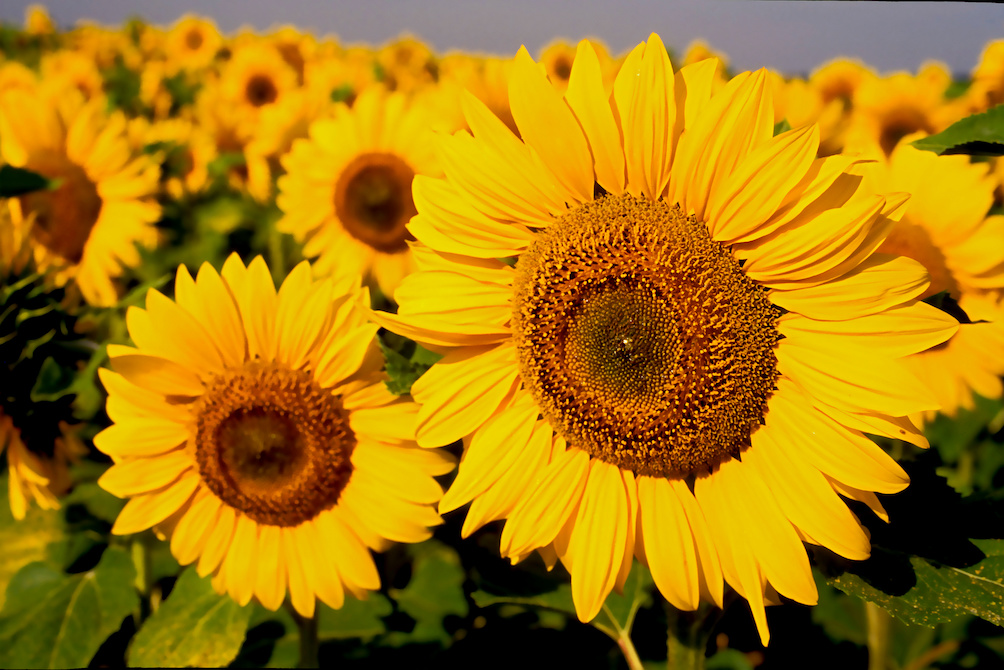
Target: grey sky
788,36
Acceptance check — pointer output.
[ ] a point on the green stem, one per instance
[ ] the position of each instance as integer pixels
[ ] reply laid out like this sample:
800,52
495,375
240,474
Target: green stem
687,637
630,653
142,561
309,641
878,636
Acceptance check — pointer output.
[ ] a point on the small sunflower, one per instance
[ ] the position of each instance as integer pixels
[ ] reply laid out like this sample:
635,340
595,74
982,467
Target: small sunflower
886,109
946,229
101,205
254,428
192,43
255,78
695,337
347,189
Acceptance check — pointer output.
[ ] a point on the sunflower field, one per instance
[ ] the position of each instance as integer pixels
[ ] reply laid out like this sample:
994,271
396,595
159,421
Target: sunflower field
358,355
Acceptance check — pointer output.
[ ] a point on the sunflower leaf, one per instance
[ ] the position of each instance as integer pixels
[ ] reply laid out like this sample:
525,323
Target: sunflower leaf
924,567
16,181
618,612
55,620
781,126
979,134
195,626
27,540
434,592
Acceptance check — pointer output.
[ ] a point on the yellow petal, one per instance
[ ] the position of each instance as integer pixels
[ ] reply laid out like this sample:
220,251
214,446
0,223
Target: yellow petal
141,437
549,128
135,476
588,101
148,510
461,391
599,538
874,286
301,595
270,585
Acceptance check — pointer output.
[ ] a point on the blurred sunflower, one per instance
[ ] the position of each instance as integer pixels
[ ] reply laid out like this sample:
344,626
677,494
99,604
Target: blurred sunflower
32,322
886,109
945,228
693,341
255,78
987,88
192,43
86,226
347,189
254,429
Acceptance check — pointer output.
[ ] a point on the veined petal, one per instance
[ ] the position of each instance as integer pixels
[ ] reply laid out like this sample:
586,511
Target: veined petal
549,128
462,390
588,100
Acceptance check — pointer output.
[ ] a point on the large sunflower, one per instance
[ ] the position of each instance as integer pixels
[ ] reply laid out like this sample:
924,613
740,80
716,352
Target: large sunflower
945,228
347,189
694,338
254,428
86,227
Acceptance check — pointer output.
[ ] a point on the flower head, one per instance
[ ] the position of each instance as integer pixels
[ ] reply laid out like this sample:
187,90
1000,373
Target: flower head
695,335
253,428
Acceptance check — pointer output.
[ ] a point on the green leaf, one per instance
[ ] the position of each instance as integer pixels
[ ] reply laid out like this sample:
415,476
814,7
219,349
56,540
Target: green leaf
24,541
357,619
55,620
781,126
406,366
979,134
434,592
195,626
942,593
617,614
729,659
53,381
18,181
616,617
99,503
924,568
342,94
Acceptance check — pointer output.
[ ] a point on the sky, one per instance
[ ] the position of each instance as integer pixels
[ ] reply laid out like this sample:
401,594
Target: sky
791,37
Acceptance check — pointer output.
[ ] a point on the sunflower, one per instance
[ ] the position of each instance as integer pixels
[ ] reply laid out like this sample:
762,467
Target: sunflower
682,361
192,43
101,204
254,429
38,477
945,228
256,78
987,88
886,109
347,189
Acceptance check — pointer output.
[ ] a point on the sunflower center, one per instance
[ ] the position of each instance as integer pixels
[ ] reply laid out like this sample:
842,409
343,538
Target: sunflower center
193,39
913,241
261,90
65,215
373,201
273,444
563,68
641,339
898,125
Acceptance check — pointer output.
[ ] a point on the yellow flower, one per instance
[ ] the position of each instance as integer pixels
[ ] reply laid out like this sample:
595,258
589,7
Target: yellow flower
254,429
695,337
71,69
37,21
347,189
407,64
86,226
33,477
886,109
945,228
192,43
256,78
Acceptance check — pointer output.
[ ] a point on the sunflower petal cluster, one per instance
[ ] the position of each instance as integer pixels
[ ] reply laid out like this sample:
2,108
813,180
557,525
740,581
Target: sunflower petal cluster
537,352
252,427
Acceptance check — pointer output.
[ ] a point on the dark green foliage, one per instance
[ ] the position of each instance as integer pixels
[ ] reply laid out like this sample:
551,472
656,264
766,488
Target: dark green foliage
979,134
